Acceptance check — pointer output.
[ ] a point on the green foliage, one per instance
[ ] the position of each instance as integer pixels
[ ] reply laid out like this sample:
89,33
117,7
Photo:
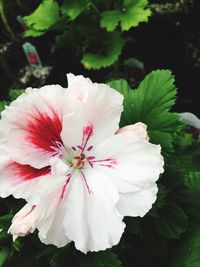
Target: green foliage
3,104
172,222
192,181
14,93
130,14
101,259
73,9
5,221
187,255
76,24
46,15
114,49
150,103
4,255
167,235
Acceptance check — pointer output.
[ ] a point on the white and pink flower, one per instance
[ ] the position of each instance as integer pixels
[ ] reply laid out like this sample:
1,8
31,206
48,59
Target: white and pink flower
62,151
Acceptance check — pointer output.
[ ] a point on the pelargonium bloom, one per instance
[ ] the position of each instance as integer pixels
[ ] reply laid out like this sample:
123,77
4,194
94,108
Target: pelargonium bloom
62,151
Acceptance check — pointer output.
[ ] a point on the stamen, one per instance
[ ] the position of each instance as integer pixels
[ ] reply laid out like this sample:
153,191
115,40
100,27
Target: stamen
90,158
90,148
110,163
109,166
90,163
87,133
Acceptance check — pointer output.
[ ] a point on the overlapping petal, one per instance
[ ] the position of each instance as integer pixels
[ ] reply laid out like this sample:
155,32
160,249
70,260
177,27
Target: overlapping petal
32,124
139,162
63,152
101,107
89,218
137,203
21,180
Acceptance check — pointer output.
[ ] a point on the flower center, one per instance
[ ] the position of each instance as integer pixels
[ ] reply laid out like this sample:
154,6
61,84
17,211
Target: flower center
77,162
79,158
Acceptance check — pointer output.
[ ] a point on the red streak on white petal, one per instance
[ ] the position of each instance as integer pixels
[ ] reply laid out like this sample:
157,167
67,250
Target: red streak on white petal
107,165
27,172
43,131
86,183
65,186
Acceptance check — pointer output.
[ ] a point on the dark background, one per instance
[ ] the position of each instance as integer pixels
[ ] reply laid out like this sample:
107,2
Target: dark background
171,39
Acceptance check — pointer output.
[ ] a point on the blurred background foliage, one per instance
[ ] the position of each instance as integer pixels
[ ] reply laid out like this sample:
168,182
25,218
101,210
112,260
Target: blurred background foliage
103,40
118,42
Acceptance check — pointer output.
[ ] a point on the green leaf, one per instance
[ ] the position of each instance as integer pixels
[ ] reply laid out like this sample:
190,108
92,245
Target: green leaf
110,20
4,255
44,16
134,63
114,49
101,259
130,15
3,104
14,93
160,201
4,237
187,255
33,33
73,9
192,181
5,220
150,103
62,39
172,221
187,158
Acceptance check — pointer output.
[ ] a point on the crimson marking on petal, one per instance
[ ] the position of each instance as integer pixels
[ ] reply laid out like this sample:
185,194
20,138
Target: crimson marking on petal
27,172
65,186
44,131
107,165
86,183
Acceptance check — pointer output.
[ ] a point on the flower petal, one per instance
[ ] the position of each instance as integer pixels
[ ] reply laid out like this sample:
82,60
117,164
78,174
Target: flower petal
50,227
4,158
21,180
101,108
139,128
138,162
24,222
79,86
137,203
92,220
33,122
87,217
